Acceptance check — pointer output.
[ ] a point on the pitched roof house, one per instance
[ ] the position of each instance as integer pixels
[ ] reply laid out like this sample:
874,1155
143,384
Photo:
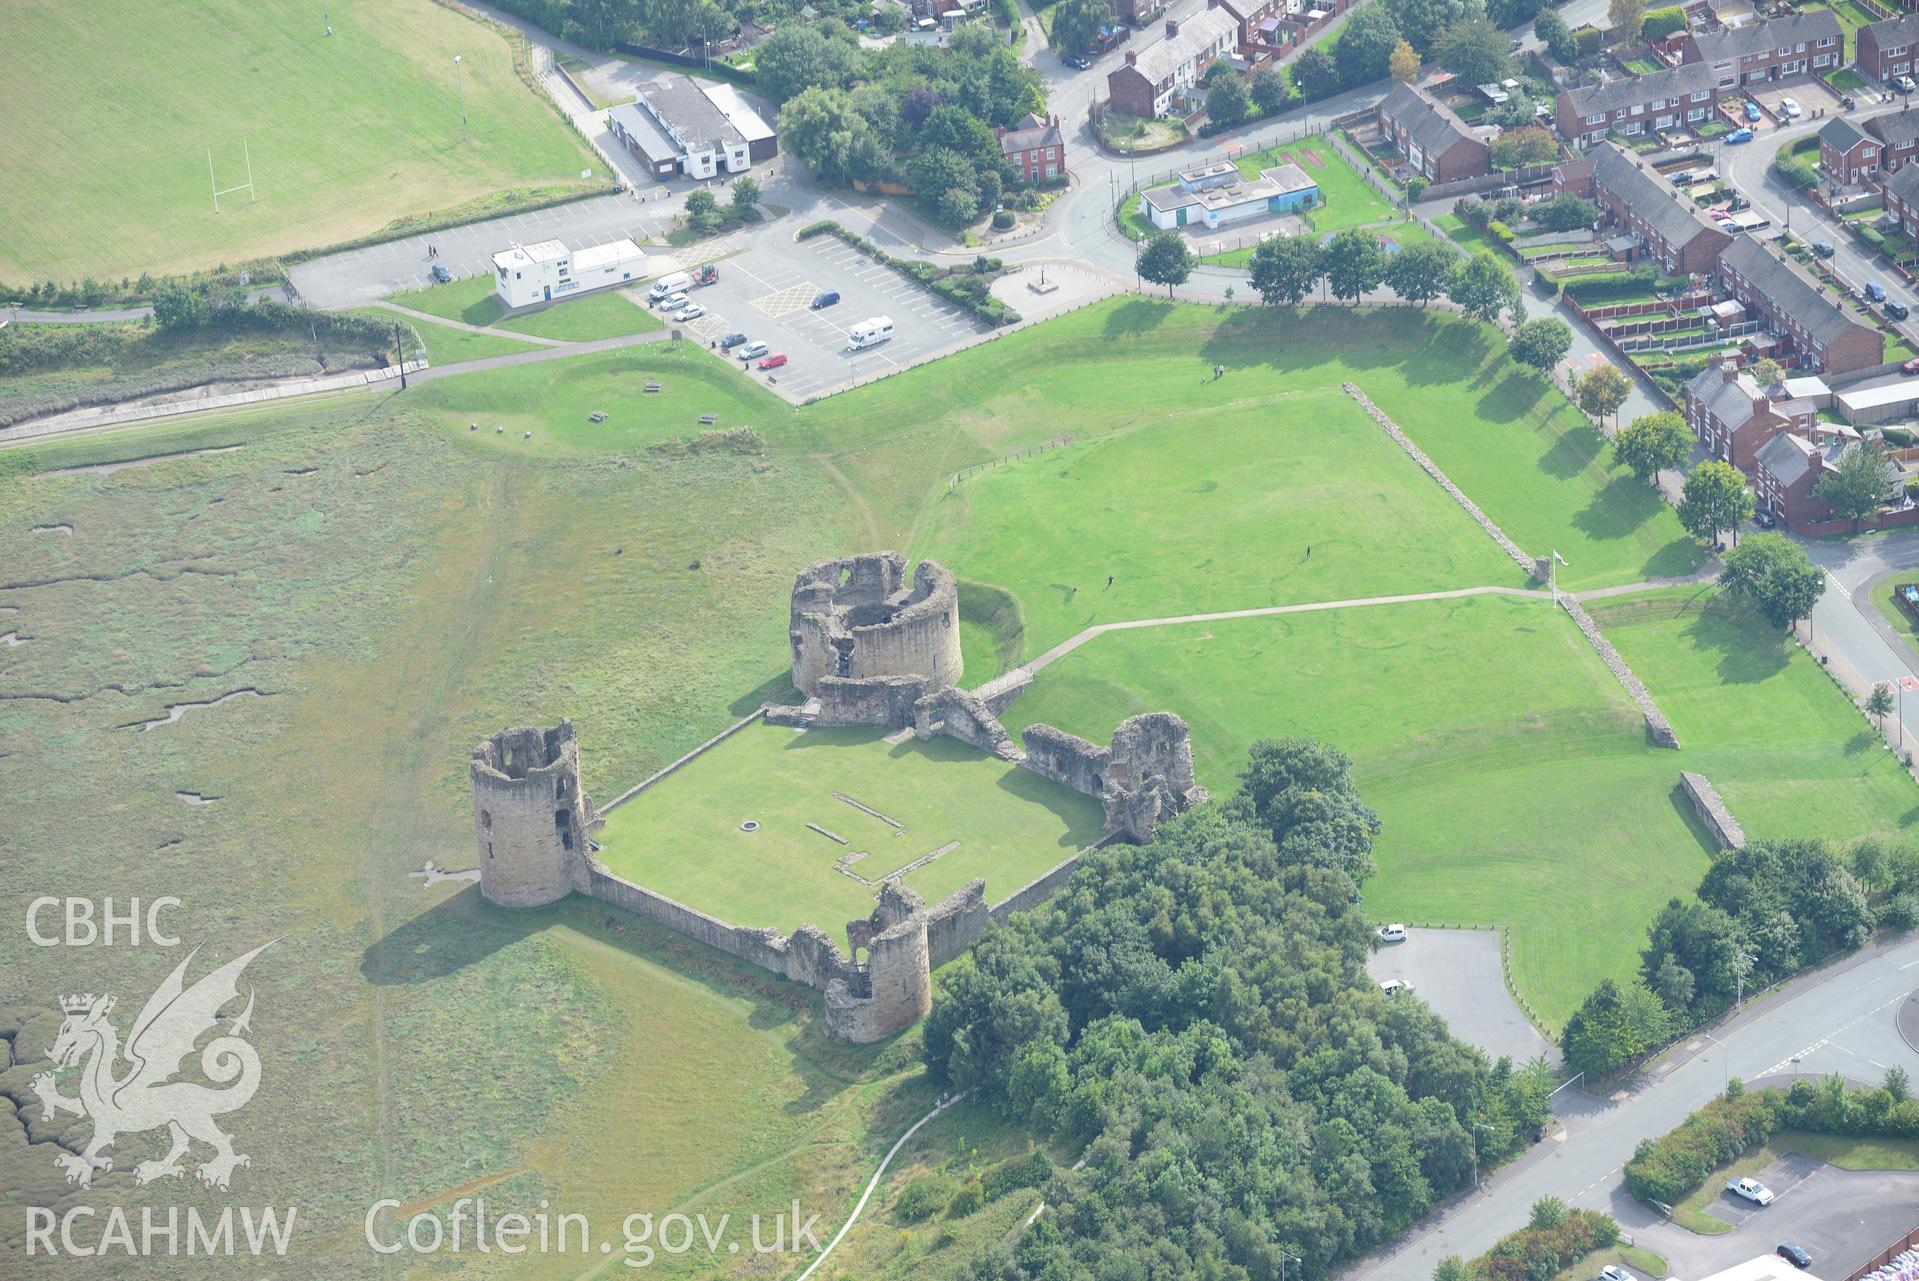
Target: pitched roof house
1036,149
1672,230
1786,471
1886,49
1807,42
1636,105
1847,153
1815,326
1733,417
1145,84
1434,140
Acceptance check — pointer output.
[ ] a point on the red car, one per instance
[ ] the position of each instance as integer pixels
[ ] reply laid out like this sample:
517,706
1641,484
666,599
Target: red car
1911,366
774,361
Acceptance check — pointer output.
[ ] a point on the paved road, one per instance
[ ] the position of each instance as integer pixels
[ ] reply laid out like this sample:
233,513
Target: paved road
1840,1019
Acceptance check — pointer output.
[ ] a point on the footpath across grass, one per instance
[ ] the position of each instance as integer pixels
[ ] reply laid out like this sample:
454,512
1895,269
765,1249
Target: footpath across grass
1515,780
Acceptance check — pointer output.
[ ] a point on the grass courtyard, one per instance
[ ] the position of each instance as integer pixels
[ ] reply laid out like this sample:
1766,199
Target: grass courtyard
682,836
108,169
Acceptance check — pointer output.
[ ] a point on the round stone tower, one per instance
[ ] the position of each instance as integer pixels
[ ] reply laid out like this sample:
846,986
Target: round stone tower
530,816
861,617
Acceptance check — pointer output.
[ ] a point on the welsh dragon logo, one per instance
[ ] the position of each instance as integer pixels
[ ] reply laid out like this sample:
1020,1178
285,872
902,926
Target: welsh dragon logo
143,1095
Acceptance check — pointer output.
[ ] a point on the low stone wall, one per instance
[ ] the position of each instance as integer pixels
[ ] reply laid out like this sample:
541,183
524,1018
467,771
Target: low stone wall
1712,811
1656,721
1067,759
961,715
1431,468
762,947
1040,888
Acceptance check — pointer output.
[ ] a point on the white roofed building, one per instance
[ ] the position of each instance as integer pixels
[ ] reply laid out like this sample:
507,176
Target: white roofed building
528,275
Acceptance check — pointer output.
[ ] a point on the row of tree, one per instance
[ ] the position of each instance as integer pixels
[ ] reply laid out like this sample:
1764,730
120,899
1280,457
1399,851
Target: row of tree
1286,270
1761,914
1195,1015
1393,37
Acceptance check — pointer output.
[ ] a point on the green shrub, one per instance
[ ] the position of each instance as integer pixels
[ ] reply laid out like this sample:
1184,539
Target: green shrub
1669,1169
1033,1170
1588,39
1002,219
1416,187
1661,23
922,1198
1901,911
966,1200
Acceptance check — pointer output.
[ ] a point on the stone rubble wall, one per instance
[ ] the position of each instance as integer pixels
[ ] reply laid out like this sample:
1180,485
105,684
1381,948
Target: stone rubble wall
1712,811
1656,722
1431,468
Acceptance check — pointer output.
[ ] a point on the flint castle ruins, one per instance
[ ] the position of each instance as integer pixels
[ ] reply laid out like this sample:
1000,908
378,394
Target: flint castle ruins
870,645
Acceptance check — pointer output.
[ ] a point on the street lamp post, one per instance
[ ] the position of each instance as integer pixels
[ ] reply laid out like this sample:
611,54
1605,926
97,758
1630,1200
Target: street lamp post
1284,1259
1477,1127
459,71
1741,962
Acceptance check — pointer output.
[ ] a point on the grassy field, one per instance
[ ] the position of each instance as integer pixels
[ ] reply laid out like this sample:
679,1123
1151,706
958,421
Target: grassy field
554,400
1395,235
446,345
1518,791
1350,201
471,301
394,587
607,314
1240,496
682,836
346,133
1785,747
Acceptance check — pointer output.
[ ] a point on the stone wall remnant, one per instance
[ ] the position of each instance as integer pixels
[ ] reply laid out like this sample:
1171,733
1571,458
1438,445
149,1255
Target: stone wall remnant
861,617
1144,777
1712,811
1656,723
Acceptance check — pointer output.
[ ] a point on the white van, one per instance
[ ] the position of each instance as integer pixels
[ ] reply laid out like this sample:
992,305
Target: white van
669,285
870,333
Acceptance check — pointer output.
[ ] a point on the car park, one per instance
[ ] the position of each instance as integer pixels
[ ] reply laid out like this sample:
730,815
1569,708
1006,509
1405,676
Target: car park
773,361
1789,108
440,274
1752,112
732,340
825,298
1751,1190
1394,933
1896,310
1823,248
1395,987
753,351
692,311
1875,292
1739,135
1795,1254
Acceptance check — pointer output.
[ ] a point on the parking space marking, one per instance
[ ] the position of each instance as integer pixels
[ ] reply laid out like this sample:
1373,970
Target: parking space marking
784,302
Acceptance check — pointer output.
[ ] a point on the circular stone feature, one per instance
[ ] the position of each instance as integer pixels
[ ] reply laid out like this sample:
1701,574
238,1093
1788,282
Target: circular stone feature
749,826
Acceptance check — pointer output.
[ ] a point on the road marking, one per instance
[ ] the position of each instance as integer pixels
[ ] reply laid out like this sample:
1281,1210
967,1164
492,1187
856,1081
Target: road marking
1823,1041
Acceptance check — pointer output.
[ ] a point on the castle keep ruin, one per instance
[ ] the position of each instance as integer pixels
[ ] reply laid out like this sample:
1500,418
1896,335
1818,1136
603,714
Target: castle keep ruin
869,647
530,816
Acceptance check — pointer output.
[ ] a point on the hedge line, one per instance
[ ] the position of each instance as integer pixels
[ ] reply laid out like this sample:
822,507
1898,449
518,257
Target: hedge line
1672,1167
1545,1249
946,282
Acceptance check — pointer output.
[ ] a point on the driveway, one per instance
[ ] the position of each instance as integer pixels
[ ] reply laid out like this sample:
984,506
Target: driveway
1458,973
1844,1218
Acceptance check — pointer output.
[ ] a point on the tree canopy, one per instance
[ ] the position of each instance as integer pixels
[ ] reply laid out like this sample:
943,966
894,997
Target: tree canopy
1772,574
1484,287
1286,268
1541,342
1652,443
1716,500
1165,260
1196,1017
1858,484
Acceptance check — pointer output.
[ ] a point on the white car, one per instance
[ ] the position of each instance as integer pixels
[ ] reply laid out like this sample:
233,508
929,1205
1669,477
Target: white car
1613,1272
752,351
1789,108
1751,1189
1394,933
1395,987
1904,83
673,302
692,311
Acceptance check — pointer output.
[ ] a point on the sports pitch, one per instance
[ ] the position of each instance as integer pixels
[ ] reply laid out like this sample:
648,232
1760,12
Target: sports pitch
108,166
936,813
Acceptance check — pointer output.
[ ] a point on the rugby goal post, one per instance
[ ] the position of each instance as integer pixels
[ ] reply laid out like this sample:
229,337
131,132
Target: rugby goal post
246,153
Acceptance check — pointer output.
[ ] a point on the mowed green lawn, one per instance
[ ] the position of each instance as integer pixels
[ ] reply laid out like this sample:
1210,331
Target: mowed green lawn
1298,498
471,301
1351,201
446,345
682,837
1780,741
113,107
1513,776
555,400
608,314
